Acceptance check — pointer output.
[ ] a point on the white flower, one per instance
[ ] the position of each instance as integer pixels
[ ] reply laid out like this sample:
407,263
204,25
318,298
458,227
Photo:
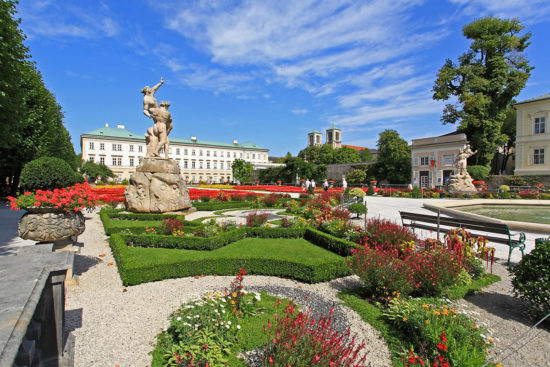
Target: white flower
238,326
227,326
228,322
178,318
223,311
188,317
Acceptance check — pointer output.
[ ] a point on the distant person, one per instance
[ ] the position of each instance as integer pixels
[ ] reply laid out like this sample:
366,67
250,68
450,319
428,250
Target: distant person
325,185
308,183
313,184
344,185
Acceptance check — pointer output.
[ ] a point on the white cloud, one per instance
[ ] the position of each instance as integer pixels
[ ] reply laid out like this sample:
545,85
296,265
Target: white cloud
529,12
59,19
299,111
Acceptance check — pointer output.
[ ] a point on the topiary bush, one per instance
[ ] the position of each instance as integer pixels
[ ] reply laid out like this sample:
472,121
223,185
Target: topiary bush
416,193
47,173
531,280
478,172
358,209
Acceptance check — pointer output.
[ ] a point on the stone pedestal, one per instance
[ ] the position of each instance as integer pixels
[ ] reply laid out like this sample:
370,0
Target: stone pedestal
50,225
461,184
157,187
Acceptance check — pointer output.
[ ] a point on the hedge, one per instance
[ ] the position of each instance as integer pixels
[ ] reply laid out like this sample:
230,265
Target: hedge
329,242
117,226
218,205
133,271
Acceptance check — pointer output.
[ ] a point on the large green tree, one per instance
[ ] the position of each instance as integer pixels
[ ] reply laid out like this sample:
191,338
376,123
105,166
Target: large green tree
31,121
326,154
394,158
484,82
242,170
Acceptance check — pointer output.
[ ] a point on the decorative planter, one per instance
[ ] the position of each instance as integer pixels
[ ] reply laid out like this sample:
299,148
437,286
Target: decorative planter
49,224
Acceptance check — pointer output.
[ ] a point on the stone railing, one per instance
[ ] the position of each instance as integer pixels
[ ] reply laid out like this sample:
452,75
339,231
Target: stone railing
32,304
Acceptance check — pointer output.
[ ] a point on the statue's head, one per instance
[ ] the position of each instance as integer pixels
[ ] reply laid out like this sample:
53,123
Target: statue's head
165,104
146,89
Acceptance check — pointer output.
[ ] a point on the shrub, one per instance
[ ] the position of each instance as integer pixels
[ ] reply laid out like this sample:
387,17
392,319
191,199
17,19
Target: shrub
358,209
46,173
370,190
387,233
341,213
504,188
170,225
478,172
504,195
300,340
250,197
270,200
205,198
357,192
255,219
531,280
222,196
78,178
416,193
529,194
237,198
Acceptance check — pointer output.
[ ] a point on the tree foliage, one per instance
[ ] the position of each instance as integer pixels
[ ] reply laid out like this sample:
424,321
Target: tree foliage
47,173
31,121
365,155
394,158
484,81
326,154
242,170
94,170
356,176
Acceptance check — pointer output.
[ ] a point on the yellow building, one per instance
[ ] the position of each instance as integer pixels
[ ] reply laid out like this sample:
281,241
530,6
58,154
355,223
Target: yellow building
532,136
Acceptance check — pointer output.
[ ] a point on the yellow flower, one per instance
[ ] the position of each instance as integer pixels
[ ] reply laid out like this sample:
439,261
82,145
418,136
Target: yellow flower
232,302
437,313
427,322
445,312
404,319
426,306
234,294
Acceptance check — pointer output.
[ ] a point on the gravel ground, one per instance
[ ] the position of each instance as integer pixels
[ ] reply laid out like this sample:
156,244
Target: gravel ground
506,319
114,325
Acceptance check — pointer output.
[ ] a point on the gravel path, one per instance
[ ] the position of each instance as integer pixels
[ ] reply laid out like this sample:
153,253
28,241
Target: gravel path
114,325
506,319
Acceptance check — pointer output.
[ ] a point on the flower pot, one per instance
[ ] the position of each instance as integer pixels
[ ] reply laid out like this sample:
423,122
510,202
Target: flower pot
50,224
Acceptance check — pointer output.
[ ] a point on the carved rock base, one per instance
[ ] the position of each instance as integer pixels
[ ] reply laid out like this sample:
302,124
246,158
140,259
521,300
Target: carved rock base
461,184
51,226
157,187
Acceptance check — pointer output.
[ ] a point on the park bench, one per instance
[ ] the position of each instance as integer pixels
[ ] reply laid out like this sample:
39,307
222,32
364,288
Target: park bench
492,231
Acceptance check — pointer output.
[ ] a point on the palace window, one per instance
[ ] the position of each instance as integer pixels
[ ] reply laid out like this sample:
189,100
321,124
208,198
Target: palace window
221,165
177,151
185,151
207,164
140,148
91,145
185,163
424,161
193,166
538,156
131,148
131,162
448,159
540,125
91,159
102,160
101,146
193,152
117,161
208,153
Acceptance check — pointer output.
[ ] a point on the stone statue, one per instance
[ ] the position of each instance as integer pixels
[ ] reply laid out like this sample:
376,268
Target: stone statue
461,159
158,133
461,180
158,185
149,100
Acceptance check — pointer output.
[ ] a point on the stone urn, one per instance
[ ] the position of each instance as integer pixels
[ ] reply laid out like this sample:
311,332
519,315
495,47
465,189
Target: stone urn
50,224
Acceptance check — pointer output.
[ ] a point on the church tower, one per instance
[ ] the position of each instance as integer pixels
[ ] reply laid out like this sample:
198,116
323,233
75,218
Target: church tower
314,139
334,137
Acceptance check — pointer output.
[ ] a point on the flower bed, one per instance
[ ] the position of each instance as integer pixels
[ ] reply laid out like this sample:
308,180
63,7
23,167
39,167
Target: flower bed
73,198
110,194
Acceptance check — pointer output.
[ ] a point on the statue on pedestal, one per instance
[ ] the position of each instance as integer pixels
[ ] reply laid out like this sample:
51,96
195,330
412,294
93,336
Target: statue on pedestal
461,180
158,185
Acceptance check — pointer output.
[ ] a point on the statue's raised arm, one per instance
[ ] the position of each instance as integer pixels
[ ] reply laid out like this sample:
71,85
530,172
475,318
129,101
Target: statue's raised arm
149,100
157,86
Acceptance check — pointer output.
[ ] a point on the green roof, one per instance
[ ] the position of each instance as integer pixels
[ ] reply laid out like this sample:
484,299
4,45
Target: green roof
536,99
315,132
115,132
333,127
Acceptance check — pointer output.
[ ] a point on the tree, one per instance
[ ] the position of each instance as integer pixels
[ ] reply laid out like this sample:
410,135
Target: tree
242,170
356,176
311,154
346,155
485,81
31,121
509,132
394,158
94,170
365,155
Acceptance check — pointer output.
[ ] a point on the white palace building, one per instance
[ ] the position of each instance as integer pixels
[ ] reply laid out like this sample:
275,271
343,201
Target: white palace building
121,151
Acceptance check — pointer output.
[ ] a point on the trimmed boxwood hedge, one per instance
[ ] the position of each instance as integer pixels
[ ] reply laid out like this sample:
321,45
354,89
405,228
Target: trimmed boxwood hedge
329,242
117,225
134,272
218,205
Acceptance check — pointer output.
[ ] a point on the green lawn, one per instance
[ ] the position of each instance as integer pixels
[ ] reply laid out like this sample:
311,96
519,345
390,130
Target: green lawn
288,249
283,257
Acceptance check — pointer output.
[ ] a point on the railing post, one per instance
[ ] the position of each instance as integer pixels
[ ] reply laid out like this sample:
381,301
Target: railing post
438,216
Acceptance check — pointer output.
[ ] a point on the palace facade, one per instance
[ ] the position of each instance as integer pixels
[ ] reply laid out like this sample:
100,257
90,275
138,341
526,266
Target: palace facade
200,160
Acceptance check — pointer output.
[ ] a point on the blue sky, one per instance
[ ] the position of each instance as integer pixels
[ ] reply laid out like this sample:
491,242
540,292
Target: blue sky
264,71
